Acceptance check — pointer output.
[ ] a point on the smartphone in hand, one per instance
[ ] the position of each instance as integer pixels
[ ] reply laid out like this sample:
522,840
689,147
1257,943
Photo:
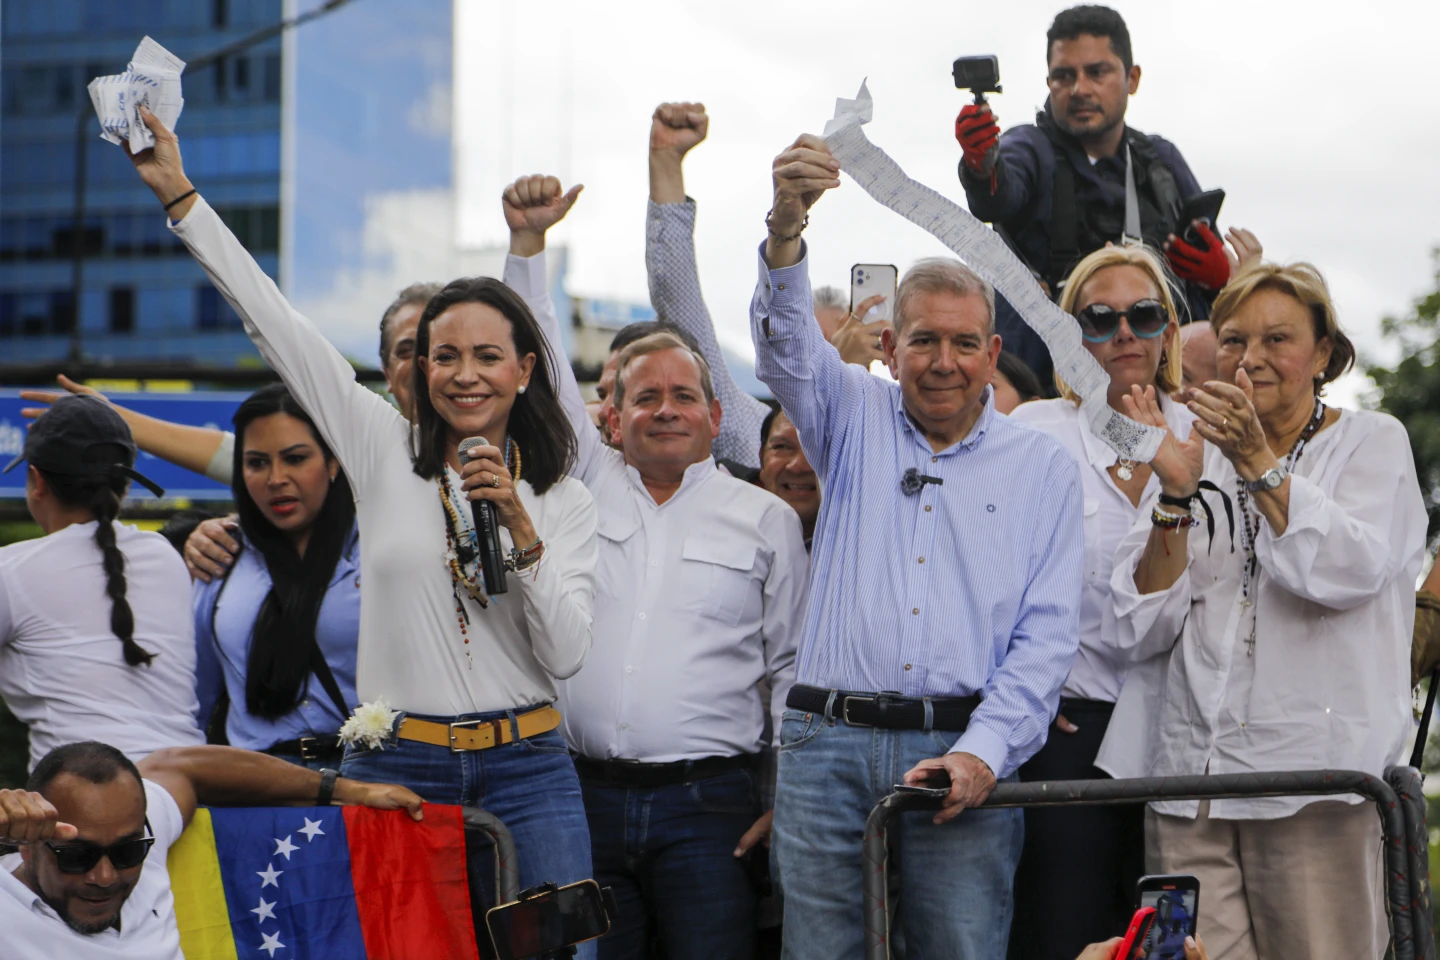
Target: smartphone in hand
1175,899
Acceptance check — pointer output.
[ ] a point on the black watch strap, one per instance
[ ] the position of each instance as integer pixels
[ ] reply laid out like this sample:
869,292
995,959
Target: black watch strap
327,787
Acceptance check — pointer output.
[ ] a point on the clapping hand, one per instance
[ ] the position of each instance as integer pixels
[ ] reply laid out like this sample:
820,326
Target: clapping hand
1178,465
1225,415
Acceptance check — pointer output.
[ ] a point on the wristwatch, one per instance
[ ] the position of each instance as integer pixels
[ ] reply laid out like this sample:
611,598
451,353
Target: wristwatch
327,787
1268,480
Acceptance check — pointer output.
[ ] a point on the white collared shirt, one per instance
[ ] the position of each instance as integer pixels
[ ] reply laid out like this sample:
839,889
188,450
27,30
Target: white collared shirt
63,670
34,931
1327,686
696,600
1099,668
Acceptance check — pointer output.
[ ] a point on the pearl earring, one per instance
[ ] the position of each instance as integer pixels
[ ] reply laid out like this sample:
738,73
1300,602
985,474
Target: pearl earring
521,388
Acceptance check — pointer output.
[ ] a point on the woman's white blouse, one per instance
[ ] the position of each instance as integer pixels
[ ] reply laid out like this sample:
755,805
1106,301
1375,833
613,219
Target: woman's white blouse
1100,665
1334,606
411,651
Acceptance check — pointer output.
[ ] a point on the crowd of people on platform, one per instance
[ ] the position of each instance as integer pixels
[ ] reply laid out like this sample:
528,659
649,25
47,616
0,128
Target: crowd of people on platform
731,627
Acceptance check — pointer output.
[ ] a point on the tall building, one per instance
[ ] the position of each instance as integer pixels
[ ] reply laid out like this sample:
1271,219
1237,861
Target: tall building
297,141
143,297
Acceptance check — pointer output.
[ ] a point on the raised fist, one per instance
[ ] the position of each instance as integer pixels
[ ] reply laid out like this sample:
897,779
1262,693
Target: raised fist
678,127
536,203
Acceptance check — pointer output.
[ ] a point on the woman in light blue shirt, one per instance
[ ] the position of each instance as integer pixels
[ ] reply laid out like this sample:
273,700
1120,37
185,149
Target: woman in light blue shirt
276,637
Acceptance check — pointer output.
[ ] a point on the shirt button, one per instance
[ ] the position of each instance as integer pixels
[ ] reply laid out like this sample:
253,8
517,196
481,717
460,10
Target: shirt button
642,616
915,611
922,559
934,459
629,669
305,702
780,286
624,726
1327,709
927,508
907,666
654,563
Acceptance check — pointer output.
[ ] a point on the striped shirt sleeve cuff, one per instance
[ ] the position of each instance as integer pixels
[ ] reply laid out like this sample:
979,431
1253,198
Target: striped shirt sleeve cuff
986,744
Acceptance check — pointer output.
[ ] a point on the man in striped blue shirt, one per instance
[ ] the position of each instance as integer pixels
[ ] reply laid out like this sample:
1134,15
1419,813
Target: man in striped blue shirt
944,600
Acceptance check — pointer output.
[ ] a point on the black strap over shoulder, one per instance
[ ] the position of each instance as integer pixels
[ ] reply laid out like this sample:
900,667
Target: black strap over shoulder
321,669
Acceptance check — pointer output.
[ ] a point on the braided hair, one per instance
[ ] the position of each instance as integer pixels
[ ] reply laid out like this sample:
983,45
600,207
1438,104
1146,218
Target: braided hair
102,496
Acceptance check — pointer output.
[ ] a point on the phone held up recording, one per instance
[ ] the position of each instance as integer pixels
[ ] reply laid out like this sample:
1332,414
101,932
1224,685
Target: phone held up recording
1175,898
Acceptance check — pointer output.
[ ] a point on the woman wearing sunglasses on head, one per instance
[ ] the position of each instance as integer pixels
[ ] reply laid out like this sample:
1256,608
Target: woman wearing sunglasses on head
276,634
1076,880
471,671
95,629
1285,643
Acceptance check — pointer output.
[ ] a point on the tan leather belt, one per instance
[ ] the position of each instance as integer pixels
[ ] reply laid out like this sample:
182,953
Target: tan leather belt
478,734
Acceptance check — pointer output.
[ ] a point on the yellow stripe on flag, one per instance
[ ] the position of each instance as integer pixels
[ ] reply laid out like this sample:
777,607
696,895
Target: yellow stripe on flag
200,908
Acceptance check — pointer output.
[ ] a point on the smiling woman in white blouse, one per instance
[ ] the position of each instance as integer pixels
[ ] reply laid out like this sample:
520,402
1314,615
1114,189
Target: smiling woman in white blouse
472,674
1076,881
1284,646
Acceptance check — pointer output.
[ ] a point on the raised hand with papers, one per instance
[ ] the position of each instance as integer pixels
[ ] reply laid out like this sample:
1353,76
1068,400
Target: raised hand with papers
152,80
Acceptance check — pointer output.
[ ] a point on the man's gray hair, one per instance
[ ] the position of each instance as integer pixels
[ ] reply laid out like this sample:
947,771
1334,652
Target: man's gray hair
942,275
832,297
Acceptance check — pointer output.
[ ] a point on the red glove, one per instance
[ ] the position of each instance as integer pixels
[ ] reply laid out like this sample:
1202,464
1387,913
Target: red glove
979,137
1208,267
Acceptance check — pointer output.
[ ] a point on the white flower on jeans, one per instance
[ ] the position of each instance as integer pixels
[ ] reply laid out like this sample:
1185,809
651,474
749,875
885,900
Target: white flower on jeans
369,726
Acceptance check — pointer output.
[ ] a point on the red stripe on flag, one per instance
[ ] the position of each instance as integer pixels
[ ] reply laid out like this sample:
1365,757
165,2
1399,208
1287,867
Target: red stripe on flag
411,887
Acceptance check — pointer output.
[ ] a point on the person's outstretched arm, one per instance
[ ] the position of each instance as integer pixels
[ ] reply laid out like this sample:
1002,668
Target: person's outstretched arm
231,777
675,129
360,426
197,449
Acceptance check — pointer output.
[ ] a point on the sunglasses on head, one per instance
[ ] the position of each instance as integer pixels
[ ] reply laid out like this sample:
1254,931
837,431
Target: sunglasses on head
81,856
1147,318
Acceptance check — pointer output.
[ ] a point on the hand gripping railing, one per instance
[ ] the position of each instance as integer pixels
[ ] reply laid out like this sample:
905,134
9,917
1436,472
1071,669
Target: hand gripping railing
1399,801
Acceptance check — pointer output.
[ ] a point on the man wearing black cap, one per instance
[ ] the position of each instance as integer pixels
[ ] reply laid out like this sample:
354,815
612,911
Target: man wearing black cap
96,633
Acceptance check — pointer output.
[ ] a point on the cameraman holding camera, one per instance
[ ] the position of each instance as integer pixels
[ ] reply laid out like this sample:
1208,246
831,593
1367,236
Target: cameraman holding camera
1057,189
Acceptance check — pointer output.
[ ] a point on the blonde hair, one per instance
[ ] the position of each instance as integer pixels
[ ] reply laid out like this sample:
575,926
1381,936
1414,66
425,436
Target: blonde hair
1304,283
656,343
1169,376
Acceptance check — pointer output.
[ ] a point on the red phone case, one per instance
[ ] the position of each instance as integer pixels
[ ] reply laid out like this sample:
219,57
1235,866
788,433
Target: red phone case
1133,946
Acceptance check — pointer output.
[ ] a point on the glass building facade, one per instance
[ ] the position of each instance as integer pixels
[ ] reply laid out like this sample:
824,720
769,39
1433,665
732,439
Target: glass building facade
292,141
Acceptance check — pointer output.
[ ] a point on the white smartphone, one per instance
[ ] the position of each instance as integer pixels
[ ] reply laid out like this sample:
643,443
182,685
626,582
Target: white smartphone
868,279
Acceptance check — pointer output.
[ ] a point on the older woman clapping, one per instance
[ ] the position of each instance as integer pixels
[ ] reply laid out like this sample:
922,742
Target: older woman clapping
1284,648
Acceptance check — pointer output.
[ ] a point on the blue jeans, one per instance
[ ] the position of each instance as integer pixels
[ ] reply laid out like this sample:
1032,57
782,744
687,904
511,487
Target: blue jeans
529,784
955,880
668,854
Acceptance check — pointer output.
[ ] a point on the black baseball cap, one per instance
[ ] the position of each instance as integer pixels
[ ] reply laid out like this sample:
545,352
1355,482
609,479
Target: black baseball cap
82,436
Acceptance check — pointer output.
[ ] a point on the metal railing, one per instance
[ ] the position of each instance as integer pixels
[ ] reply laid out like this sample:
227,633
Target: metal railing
1398,799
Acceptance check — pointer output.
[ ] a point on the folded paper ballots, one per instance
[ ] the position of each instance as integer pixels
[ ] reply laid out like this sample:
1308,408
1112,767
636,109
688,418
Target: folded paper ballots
152,79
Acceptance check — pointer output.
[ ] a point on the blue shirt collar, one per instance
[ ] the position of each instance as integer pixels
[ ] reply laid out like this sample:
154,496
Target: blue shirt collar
977,431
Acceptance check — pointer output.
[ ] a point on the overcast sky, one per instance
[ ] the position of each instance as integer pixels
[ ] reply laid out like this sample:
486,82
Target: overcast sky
1319,120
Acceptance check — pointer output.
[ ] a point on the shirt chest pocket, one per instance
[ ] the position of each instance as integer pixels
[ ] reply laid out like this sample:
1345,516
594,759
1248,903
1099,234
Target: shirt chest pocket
1099,561
616,541
719,578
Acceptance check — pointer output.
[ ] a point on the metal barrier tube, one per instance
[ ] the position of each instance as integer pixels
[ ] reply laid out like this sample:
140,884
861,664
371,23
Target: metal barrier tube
1145,790
507,864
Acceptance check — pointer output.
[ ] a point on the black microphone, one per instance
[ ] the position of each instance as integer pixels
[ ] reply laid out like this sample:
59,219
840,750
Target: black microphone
913,481
487,529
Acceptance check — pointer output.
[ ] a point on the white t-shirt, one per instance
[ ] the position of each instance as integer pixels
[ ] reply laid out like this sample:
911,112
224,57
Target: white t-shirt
62,669
33,931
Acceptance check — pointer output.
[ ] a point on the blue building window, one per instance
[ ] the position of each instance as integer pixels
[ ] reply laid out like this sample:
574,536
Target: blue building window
212,312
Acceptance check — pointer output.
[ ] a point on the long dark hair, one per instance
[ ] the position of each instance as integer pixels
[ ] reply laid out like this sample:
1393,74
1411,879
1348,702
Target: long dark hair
538,424
282,640
102,497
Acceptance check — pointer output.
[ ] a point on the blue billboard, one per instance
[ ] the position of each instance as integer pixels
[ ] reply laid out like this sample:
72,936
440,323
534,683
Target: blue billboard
213,410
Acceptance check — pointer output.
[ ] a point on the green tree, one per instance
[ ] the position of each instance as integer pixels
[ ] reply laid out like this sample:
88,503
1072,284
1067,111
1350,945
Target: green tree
1410,391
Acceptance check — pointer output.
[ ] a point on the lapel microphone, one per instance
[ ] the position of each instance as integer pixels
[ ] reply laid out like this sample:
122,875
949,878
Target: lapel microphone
913,481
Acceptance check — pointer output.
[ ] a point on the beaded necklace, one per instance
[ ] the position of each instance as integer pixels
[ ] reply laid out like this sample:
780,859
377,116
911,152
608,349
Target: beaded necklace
1250,530
461,550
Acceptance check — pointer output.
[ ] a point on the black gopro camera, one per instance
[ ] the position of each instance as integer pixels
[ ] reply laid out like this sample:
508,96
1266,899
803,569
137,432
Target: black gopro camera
980,75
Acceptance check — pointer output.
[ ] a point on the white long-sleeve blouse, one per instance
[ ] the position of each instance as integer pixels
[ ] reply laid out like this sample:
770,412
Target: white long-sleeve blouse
1333,607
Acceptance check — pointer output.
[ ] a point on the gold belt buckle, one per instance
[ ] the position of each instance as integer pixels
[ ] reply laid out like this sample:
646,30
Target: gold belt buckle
498,723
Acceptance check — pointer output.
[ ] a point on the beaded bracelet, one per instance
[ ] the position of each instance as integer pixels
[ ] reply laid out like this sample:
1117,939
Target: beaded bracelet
1171,521
522,560
794,236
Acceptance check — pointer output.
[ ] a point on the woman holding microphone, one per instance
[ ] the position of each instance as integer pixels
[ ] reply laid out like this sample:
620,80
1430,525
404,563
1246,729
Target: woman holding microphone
456,685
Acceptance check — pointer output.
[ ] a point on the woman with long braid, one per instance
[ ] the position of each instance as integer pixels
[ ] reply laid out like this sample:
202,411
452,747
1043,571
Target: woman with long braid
96,639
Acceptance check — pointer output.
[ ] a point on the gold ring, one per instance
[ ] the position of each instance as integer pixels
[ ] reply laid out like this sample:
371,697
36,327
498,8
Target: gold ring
1224,422
495,481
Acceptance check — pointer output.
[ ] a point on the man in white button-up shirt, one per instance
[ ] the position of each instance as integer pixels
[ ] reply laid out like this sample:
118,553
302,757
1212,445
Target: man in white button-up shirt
701,588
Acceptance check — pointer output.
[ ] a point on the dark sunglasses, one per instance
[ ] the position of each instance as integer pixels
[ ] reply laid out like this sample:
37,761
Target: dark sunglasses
81,856
1098,322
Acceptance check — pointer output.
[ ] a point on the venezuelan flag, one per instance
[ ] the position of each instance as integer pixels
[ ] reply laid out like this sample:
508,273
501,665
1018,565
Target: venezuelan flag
290,883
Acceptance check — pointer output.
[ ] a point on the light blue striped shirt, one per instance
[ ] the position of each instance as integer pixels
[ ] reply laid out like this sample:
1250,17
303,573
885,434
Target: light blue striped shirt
968,587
